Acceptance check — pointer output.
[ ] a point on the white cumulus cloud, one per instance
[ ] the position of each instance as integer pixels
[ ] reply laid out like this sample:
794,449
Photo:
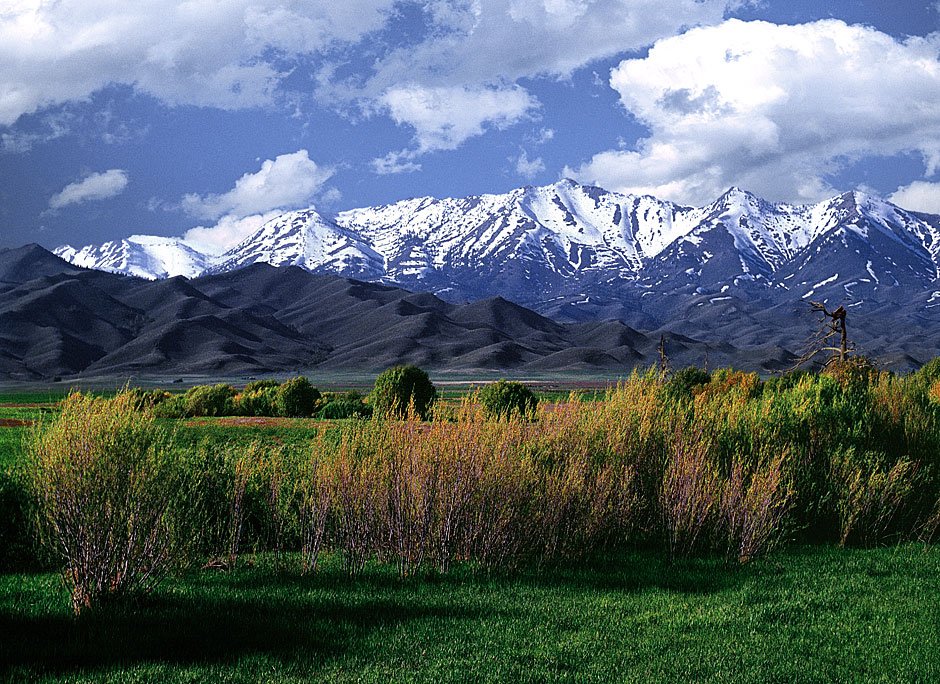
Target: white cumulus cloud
462,78
97,186
488,41
528,168
218,54
227,233
289,181
285,182
443,118
773,108
918,196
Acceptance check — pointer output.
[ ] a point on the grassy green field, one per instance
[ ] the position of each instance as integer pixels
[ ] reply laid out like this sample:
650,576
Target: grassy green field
621,613
809,615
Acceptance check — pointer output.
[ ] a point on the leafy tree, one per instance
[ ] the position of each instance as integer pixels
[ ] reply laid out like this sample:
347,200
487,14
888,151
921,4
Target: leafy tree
203,400
296,398
400,388
260,401
257,385
505,398
681,385
348,405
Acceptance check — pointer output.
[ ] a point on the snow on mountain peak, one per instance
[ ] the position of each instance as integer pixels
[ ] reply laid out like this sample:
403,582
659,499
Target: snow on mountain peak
542,241
145,256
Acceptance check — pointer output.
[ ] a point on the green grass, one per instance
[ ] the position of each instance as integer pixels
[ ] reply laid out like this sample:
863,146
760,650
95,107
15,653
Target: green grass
11,446
32,397
808,615
292,434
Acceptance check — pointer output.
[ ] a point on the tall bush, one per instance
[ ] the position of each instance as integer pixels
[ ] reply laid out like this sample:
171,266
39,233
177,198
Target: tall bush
296,398
754,503
401,389
205,400
689,496
505,398
109,486
260,401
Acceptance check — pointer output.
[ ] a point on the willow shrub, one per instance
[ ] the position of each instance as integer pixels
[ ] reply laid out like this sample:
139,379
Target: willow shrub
110,491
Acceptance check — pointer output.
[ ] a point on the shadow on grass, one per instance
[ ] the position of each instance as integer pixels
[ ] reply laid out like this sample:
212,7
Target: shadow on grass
307,621
186,630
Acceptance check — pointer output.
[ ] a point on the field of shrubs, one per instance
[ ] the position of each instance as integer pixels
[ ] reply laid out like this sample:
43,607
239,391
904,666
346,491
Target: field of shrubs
693,464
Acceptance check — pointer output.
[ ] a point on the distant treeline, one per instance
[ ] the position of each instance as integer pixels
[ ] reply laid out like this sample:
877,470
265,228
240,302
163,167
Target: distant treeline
295,398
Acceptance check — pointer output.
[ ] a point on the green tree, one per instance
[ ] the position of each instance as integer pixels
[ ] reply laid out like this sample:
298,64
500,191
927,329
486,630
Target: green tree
505,398
400,388
296,398
205,400
684,382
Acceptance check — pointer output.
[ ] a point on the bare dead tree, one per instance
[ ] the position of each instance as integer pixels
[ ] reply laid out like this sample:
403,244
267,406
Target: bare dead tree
663,359
831,336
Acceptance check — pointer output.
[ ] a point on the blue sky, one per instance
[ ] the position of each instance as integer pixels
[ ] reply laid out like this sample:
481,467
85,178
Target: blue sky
203,118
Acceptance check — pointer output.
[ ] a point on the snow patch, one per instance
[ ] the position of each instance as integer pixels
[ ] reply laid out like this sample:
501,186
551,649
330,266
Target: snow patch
825,282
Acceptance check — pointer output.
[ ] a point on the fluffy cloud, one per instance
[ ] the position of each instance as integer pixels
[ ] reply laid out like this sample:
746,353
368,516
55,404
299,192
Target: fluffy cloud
286,182
442,118
918,196
528,168
462,77
97,186
490,41
774,108
227,233
56,52
219,54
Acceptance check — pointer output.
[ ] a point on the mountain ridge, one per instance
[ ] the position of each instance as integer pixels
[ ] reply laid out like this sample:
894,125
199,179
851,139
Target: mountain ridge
735,270
553,240
57,320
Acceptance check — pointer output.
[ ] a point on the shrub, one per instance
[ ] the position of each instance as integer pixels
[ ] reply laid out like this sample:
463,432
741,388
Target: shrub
344,408
173,406
869,493
929,373
260,401
108,485
315,493
690,491
203,400
147,398
401,389
258,385
853,374
787,381
753,506
296,398
684,382
504,399
934,392
355,477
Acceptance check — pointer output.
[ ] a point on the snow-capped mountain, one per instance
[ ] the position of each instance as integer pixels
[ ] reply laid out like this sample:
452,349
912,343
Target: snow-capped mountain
578,251
144,256
306,239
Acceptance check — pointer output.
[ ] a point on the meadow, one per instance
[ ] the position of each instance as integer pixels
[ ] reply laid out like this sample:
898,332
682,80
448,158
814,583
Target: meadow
698,527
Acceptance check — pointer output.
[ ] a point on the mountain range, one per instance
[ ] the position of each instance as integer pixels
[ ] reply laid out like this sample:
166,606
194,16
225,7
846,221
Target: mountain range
733,271
57,319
